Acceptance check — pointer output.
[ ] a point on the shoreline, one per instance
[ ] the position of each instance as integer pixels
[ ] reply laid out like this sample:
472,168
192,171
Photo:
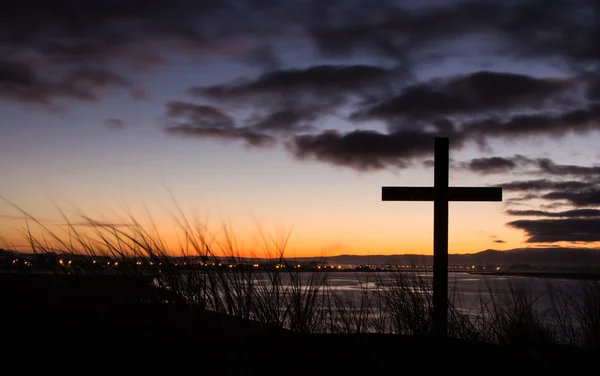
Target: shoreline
520,273
543,274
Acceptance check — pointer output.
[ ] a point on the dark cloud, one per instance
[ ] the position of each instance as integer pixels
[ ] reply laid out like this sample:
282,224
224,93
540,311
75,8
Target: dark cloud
564,28
21,82
265,57
520,199
480,131
200,115
482,105
594,89
65,35
490,165
499,241
553,205
286,119
466,94
292,100
549,167
576,192
549,124
323,80
68,30
203,121
587,197
556,230
530,28
580,194
545,185
140,33
494,165
364,150
250,138
396,29
563,214
115,124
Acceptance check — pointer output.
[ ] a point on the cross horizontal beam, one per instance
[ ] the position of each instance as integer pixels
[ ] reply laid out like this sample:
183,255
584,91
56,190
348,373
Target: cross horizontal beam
452,193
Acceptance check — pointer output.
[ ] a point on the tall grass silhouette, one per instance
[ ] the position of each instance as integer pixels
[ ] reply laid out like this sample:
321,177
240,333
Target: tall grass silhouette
273,292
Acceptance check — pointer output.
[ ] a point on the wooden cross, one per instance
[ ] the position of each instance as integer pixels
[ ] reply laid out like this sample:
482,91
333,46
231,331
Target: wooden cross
440,194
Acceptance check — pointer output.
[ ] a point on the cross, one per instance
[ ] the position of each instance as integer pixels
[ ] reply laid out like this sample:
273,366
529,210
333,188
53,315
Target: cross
441,194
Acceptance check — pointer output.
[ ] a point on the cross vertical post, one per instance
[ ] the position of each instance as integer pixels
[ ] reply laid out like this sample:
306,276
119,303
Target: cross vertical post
440,239
441,194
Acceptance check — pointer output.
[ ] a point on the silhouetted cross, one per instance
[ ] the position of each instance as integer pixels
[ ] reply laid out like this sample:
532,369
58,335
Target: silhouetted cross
440,194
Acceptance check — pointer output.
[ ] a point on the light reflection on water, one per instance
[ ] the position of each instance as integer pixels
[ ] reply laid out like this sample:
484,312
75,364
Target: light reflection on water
467,291
356,295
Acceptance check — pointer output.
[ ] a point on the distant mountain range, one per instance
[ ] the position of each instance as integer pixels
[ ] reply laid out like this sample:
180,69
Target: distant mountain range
538,257
534,257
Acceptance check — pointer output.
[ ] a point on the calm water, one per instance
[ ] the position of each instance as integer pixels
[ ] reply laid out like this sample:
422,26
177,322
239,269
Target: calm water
478,297
468,291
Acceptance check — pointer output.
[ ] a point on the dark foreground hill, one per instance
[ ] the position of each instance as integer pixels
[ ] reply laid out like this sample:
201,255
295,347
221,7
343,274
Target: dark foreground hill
78,315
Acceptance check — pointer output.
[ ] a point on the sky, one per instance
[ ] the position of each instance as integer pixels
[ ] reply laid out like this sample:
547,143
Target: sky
273,118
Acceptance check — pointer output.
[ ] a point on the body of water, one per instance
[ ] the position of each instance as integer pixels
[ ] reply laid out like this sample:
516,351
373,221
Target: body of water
467,292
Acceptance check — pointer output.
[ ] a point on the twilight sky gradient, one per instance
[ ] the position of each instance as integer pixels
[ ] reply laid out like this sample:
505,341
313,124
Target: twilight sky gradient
293,114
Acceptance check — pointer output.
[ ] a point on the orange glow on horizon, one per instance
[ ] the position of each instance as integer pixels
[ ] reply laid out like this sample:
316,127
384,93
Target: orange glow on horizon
321,244
389,229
